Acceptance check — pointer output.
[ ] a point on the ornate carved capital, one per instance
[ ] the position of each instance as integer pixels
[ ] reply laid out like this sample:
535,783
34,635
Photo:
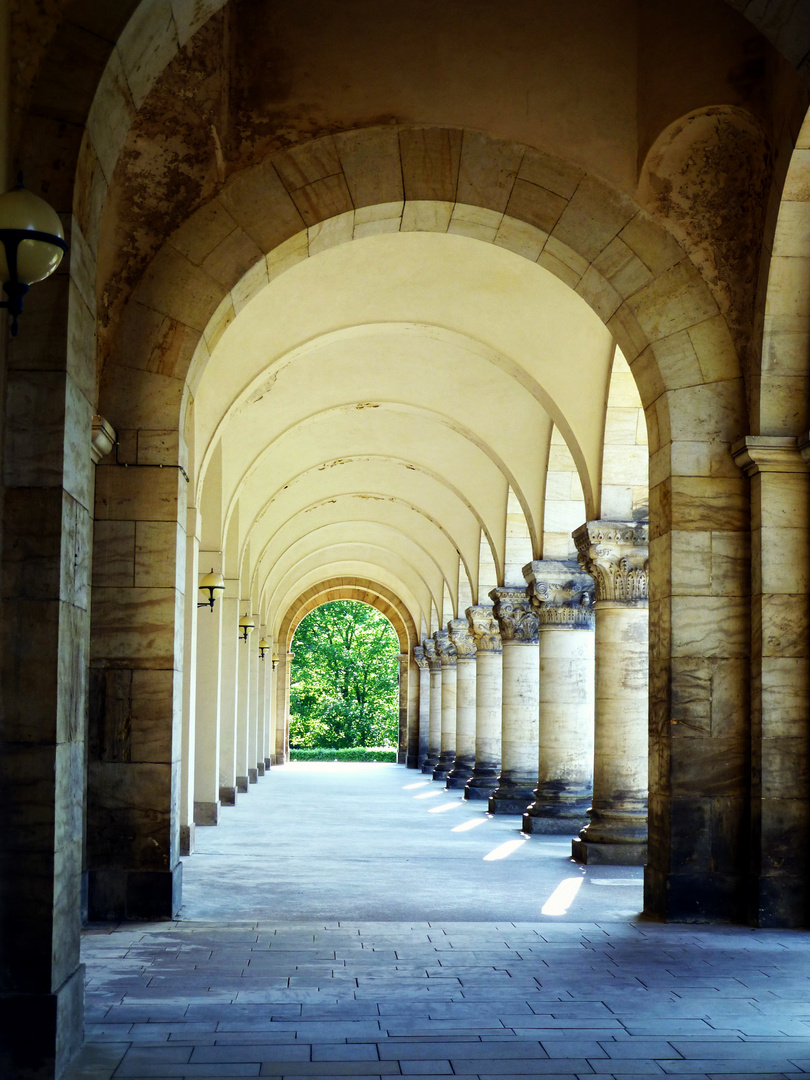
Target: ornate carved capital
770,453
445,648
484,628
616,555
517,620
561,594
461,637
434,662
419,657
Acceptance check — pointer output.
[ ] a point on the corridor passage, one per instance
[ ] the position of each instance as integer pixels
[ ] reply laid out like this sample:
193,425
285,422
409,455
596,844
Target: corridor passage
361,921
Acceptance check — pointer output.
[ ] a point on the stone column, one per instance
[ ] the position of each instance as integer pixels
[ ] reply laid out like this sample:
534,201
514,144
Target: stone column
402,682
283,707
208,706
465,703
518,775
424,703
412,760
229,661
253,704
447,654
488,702
615,554
435,717
562,595
242,710
780,680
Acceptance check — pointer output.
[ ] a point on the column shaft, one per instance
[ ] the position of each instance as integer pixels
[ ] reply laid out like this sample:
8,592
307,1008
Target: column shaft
435,705
447,754
465,704
412,760
488,703
424,703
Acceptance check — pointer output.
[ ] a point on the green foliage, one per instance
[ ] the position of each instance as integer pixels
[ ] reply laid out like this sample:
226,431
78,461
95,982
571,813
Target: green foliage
352,753
344,689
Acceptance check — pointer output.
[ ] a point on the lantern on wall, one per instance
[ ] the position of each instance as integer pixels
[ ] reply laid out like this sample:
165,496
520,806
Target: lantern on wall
246,627
264,645
214,585
32,245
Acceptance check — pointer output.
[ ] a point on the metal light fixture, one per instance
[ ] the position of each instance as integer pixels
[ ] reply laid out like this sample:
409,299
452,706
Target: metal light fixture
275,662
214,585
33,244
264,645
246,627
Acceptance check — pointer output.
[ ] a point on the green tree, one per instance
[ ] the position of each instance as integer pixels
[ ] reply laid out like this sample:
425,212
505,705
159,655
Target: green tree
344,678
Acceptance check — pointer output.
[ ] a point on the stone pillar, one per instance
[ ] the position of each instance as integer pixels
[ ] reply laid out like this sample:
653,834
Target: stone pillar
208,706
402,682
229,660
269,706
562,595
412,761
488,699
261,705
780,680
189,724
465,703
242,710
283,707
435,715
447,655
615,554
518,775
253,703
424,703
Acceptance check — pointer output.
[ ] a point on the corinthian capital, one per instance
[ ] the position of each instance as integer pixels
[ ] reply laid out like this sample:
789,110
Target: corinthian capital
515,617
561,594
616,555
419,657
484,628
461,637
434,662
445,648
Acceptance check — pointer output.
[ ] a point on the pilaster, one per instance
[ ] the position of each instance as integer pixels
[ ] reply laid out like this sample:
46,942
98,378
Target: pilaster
616,555
205,762
229,663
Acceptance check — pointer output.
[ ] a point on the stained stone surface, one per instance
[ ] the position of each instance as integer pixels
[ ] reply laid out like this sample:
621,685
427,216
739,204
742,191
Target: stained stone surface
297,976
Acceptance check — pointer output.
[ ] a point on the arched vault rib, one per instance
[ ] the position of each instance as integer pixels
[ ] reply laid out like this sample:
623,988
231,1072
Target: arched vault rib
366,592
379,507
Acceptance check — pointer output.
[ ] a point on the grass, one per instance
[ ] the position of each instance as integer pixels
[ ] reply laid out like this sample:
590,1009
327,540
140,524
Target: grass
344,753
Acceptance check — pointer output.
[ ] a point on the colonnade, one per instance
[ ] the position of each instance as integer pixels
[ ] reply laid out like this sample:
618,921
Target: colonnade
539,703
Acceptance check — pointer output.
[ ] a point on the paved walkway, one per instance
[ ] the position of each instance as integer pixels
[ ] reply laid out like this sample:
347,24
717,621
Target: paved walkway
360,921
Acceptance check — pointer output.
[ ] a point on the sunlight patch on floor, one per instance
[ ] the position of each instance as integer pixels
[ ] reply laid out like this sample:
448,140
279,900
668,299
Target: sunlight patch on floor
504,850
562,897
465,826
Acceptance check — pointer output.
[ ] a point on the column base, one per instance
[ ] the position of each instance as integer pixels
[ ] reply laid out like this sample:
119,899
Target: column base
590,853
260,768
557,816
412,762
40,1033
462,772
242,784
187,839
479,794
430,763
444,766
511,797
253,776
484,781
227,796
115,895
552,826
268,764
206,813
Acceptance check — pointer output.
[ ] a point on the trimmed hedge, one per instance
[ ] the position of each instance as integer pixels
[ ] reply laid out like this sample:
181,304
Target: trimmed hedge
349,753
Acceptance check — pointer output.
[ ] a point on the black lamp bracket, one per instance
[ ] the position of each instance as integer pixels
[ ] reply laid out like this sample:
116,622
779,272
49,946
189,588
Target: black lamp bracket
14,289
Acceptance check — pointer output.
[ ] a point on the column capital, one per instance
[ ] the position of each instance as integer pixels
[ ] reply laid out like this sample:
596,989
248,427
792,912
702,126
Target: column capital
445,648
433,659
616,555
561,594
484,628
462,638
516,619
771,453
419,657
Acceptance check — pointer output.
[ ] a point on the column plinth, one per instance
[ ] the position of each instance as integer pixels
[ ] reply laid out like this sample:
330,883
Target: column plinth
447,654
518,625
488,687
434,707
615,554
461,637
562,595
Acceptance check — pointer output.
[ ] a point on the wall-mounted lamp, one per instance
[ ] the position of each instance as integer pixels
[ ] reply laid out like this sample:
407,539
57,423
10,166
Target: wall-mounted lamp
33,244
275,662
246,627
214,585
264,645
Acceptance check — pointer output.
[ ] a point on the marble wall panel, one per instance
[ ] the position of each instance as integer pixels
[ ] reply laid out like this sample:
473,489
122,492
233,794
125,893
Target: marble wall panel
111,115
114,553
132,800
136,626
709,767
158,558
153,401
81,346
710,626
783,625
156,700
124,494
29,631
